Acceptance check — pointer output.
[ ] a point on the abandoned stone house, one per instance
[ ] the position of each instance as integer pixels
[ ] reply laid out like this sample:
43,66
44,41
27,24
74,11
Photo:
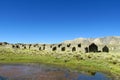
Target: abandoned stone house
70,47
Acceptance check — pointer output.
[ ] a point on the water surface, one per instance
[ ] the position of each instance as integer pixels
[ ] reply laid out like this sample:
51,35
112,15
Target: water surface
44,72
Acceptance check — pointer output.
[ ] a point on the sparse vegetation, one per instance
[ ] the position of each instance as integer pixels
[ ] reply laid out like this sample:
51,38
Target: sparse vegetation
89,62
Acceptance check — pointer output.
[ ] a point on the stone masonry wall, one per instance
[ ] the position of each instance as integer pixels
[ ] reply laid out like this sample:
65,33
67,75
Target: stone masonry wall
61,47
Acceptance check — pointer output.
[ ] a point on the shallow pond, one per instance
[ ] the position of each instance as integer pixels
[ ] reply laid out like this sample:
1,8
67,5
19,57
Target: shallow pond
43,72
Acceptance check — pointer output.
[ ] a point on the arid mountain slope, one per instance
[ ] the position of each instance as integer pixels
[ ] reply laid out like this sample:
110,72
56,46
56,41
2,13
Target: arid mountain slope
111,40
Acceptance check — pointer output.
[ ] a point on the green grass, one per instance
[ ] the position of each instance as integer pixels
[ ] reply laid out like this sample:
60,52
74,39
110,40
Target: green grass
101,62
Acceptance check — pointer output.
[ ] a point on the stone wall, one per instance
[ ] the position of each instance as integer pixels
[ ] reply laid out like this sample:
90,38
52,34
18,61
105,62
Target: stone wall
61,47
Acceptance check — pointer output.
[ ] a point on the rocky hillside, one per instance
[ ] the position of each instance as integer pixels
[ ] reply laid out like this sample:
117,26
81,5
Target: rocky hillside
111,40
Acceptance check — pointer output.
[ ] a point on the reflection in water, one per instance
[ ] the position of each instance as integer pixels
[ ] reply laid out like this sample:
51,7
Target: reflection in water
43,72
2,78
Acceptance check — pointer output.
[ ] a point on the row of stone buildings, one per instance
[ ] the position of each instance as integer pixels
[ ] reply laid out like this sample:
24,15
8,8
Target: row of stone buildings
69,47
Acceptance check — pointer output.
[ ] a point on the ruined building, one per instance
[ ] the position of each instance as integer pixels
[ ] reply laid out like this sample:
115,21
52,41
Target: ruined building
62,47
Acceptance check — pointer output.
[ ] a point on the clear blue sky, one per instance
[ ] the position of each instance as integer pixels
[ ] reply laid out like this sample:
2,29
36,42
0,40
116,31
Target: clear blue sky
52,21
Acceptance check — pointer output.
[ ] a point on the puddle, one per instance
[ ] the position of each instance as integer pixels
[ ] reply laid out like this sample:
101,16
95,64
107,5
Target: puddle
43,72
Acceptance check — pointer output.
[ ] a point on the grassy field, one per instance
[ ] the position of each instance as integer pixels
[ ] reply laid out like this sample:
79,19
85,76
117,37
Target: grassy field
88,62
